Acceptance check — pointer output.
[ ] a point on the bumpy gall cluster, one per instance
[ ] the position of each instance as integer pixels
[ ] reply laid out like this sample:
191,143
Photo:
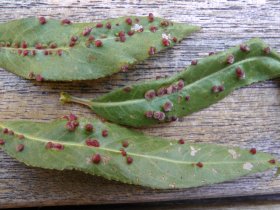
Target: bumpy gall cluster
72,123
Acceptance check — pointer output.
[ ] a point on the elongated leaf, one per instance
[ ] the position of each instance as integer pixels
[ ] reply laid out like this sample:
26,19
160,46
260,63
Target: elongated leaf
149,161
197,87
59,50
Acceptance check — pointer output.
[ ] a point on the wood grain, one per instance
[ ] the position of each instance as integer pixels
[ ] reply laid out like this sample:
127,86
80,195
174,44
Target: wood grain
248,118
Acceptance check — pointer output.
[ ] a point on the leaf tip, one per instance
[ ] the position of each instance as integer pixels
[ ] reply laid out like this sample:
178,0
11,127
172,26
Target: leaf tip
194,28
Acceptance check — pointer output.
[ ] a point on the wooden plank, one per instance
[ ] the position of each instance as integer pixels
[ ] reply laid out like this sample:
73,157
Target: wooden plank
248,118
268,202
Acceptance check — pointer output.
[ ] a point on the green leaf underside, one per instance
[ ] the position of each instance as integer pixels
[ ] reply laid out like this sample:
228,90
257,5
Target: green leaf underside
81,62
157,163
128,108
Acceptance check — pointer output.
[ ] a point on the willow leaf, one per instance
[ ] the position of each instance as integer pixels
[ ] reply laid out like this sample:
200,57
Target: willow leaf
63,51
205,82
117,153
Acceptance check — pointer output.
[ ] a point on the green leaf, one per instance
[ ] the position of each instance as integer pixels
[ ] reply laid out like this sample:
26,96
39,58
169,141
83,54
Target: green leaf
128,106
83,60
157,163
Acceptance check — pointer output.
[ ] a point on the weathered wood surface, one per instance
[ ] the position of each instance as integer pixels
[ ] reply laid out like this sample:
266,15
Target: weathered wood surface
250,117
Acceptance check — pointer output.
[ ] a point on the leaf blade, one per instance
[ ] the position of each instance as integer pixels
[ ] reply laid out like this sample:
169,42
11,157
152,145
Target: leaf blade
129,108
83,61
157,163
